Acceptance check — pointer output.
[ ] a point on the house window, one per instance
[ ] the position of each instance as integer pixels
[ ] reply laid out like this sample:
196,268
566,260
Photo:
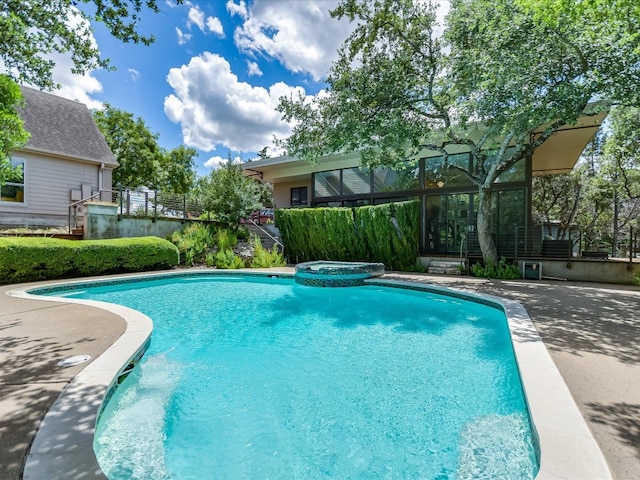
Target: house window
355,181
298,196
327,184
13,189
402,177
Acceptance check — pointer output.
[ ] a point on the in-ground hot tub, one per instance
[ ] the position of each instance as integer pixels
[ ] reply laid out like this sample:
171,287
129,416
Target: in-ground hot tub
336,274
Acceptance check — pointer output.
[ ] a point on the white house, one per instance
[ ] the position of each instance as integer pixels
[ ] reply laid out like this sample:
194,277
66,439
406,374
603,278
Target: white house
65,160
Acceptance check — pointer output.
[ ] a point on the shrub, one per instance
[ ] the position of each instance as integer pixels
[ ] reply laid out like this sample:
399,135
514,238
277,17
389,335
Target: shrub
226,239
503,270
41,258
384,233
227,259
264,258
193,242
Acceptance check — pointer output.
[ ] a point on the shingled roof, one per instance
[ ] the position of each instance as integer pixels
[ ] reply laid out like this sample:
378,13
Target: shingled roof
62,127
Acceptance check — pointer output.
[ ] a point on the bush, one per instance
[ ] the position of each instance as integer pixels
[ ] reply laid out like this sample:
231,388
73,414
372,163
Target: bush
384,233
264,258
226,239
503,270
227,259
30,259
193,242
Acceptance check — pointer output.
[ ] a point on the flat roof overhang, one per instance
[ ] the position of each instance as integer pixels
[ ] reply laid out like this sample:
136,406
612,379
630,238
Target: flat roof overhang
558,154
561,151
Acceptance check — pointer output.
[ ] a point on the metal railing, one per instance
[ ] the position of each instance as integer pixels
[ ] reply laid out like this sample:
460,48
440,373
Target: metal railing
274,239
144,203
541,242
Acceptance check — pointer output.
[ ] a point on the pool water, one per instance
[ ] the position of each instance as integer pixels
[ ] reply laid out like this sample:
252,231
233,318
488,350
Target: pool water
263,378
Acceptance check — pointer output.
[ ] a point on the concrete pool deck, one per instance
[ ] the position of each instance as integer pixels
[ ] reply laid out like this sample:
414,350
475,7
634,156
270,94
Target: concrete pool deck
590,330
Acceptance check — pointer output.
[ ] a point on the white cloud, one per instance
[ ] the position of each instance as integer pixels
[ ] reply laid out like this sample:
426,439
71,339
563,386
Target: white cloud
214,108
74,86
217,161
182,37
253,69
196,17
135,74
301,35
239,9
215,26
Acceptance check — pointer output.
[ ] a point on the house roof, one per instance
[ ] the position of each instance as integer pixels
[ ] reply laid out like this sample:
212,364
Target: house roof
558,154
62,127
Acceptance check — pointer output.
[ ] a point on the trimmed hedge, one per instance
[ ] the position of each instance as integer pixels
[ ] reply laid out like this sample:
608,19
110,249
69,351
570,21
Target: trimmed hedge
385,233
31,259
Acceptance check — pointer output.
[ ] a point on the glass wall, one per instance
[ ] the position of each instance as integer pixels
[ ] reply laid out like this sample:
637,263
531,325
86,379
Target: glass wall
355,181
326,184
449,199
450,221
403,177
437,176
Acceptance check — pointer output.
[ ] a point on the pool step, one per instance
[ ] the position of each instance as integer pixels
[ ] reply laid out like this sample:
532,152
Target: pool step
444,267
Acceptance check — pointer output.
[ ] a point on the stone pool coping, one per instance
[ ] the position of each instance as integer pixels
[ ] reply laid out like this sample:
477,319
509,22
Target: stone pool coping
63,447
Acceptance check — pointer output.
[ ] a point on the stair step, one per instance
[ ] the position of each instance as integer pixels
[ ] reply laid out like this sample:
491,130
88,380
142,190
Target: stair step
444,271
444,264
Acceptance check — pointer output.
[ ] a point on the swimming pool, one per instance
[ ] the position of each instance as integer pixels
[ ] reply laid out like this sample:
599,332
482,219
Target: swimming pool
281,380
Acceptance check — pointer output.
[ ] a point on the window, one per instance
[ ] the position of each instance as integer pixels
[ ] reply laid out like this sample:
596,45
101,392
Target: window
326,184
402,177
355,181
437,176
13,189
298,196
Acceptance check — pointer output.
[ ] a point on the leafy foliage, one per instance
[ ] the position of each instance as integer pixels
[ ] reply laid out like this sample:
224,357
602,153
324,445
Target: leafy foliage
228,260
12,133
230,195
264,258
601,196
43,258
385,233
502,270
193,242
499,83
31,30
226,239
141,160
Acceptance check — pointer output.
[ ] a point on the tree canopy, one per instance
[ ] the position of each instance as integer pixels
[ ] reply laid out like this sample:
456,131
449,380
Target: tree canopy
498,83
12,133
32,30
229,194
142,162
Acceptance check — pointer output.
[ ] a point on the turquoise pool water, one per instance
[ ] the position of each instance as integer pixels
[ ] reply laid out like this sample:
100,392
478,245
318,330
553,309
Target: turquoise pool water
263,378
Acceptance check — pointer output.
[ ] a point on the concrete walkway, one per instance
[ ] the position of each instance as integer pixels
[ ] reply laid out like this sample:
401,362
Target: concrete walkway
592,332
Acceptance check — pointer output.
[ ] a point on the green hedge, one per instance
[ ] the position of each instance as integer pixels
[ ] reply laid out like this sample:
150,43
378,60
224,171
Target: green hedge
384,233
31,259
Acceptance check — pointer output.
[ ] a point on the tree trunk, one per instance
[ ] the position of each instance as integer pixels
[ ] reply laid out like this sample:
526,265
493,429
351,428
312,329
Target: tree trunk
483,223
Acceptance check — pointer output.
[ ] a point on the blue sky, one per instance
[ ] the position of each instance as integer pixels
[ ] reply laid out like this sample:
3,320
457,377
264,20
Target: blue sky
214,75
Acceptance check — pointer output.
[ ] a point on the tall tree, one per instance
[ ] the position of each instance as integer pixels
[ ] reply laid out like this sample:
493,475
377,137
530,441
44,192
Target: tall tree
141,160
31,30
621,169
177,169
135,147
496,77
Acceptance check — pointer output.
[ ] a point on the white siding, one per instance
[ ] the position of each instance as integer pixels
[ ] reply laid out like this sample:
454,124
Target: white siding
48,185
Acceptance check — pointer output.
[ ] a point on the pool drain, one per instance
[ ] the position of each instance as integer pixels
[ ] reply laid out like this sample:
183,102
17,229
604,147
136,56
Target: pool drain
75,360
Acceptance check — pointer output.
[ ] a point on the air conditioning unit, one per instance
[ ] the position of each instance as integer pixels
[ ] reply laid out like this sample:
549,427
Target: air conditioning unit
532,270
